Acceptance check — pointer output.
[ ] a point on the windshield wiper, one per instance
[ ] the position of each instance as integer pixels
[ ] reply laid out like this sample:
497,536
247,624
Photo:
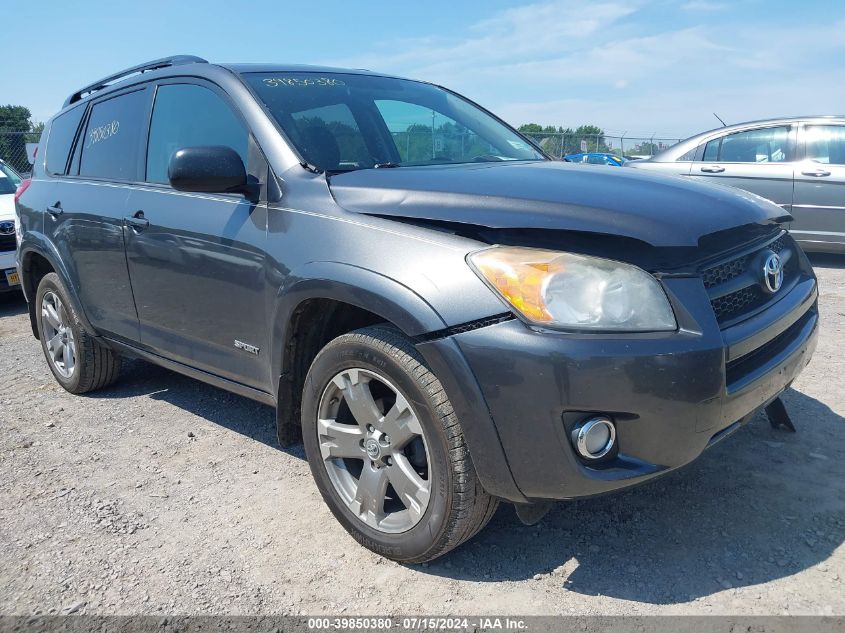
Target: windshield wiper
386,165
312,168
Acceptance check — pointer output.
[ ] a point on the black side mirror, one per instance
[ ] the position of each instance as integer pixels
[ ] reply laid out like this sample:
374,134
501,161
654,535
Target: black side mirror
208,169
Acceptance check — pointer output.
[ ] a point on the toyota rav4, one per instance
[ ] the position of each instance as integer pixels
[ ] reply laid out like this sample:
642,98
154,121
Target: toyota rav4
446,317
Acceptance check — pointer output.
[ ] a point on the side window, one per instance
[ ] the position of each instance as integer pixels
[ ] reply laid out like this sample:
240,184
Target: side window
711,151
186,115
331,134
423,135
687,157
764,145
112,137
826,144
62,132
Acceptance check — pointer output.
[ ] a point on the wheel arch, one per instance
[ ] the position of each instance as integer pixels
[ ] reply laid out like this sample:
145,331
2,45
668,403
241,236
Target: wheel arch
325,300
36,260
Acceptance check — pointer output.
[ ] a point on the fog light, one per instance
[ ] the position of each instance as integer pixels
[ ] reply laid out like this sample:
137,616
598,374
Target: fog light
594,438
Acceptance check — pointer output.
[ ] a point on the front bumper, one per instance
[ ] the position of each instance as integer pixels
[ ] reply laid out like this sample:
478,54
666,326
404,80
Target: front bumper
7,263
671,394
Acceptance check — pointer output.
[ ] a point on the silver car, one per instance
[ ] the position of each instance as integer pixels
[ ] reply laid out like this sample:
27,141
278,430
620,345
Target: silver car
798,163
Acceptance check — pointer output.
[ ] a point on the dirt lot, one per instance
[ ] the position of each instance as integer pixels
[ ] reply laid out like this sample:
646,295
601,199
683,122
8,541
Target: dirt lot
162,495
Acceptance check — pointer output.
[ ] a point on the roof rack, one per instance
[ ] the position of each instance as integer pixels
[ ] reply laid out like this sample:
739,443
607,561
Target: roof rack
164,62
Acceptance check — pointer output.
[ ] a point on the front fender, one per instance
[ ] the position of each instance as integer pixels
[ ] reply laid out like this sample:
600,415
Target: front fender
411,313
363,288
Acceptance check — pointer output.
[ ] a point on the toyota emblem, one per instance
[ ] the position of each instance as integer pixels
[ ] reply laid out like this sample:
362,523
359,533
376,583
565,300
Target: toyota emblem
773,273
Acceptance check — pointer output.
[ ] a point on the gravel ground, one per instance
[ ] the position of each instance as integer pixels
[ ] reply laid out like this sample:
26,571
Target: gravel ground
165,496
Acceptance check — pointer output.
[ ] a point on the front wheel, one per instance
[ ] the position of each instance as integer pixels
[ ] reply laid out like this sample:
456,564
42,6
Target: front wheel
386,449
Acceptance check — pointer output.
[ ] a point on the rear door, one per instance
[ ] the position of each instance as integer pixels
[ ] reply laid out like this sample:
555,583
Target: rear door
819,207
759,160
197,260
85,213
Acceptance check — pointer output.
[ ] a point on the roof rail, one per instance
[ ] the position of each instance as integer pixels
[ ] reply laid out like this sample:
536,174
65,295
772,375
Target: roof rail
164,62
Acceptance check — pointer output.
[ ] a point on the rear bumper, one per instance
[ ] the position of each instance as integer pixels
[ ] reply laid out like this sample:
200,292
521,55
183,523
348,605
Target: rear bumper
671,395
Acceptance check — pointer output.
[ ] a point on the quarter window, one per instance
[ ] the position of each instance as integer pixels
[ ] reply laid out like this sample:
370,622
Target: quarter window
686,157
763,145
112,137
187,115
62,132
826,144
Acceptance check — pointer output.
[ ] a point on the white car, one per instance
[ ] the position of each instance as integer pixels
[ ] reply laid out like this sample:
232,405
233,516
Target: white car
9,181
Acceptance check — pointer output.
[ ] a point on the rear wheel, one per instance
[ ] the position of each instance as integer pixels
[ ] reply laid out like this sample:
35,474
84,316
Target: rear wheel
78,361
386,448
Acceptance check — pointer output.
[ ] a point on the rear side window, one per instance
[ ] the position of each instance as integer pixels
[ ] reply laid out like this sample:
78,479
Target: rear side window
62,132
112,137
826,144
187,115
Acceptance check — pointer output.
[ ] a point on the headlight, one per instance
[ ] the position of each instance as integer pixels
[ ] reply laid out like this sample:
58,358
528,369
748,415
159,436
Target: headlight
576,292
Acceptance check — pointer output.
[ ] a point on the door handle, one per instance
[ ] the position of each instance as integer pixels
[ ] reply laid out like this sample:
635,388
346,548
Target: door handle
56,210
713,169
137,221
817,173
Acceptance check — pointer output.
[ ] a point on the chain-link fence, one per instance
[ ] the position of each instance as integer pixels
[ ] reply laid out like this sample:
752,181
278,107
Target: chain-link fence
559,144
16,149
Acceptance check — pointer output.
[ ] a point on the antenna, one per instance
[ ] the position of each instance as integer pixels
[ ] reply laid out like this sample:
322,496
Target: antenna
720,120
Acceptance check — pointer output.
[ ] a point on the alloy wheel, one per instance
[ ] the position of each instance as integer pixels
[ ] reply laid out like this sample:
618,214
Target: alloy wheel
58,335
374,450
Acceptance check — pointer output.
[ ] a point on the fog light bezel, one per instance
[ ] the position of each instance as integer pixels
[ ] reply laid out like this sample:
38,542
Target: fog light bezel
579,437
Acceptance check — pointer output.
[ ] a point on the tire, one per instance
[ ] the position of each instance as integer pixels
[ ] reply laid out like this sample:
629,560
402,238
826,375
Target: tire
90,365
384,360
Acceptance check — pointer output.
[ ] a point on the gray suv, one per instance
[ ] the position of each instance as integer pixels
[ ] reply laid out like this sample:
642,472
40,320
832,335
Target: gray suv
797,163
443,315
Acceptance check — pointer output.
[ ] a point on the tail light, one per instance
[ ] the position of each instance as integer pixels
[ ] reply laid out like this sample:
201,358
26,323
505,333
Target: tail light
25,183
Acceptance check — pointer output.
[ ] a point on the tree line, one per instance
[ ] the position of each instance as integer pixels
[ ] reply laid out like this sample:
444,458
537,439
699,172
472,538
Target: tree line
16,130
560,141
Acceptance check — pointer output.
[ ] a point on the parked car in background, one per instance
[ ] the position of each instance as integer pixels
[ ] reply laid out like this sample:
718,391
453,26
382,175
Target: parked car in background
595,158
9,181
447,319
797,163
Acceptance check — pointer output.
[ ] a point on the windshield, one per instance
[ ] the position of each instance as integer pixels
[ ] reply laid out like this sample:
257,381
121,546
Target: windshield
9,179
7,185
341,122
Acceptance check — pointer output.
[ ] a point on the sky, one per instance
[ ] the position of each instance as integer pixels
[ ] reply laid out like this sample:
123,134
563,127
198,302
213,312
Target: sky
641,67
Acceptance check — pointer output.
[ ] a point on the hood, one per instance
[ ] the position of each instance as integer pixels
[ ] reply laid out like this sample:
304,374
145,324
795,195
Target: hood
7,206
542,197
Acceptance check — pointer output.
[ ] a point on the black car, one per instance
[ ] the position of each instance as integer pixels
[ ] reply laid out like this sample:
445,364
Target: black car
446,317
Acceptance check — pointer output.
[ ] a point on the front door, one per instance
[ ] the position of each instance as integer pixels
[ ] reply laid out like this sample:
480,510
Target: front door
196,260
759,160
819,208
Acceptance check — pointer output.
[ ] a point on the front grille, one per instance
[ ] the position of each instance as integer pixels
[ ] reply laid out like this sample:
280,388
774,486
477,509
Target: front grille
722,273
734,286
737,302
7,243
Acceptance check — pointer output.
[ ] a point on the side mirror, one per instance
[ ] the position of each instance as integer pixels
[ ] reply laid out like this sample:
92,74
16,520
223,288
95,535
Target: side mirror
208,169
